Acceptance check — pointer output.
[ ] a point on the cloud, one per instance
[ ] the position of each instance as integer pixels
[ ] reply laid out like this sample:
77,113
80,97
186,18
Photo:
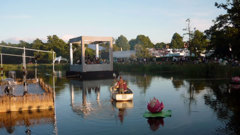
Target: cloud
67,37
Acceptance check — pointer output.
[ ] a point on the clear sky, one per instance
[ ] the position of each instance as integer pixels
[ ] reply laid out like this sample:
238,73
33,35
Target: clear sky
159,19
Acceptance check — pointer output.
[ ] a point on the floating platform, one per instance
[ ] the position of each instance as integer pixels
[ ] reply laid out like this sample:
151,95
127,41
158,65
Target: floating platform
39,97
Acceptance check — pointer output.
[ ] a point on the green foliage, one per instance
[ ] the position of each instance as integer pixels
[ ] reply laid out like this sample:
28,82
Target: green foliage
141,40
90,52
144,41
142,52
132,43
177,41
11,59
225,32
115,48
199,43
122,42
57,45
160,45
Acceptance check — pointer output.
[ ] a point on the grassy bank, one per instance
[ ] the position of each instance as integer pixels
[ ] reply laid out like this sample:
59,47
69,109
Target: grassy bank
14,67
191,70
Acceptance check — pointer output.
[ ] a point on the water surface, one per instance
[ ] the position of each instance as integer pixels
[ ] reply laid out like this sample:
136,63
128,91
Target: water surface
199,106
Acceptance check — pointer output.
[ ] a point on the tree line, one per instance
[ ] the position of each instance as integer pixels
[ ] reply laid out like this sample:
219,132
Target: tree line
54,43
223,37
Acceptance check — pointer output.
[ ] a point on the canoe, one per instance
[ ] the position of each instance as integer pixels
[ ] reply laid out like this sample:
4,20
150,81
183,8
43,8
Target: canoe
126,96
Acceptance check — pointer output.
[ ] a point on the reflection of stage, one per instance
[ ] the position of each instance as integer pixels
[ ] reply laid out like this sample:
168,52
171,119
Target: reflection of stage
85,108
25,118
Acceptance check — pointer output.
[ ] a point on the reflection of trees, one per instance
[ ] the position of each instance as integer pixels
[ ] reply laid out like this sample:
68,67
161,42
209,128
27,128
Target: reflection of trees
177,83
224,102
226,105
143,81
60,82
194,87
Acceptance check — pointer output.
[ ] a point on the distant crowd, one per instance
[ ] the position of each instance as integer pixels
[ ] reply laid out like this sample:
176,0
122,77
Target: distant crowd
94,60
181,60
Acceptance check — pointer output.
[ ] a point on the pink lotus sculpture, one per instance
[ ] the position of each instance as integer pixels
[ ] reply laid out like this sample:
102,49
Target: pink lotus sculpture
236,79
154,106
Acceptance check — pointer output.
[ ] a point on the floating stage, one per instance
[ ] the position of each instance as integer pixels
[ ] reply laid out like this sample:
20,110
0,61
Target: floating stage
40,96
97,66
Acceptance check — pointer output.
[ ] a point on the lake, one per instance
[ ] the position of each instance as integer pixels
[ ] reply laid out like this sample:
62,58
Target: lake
199,106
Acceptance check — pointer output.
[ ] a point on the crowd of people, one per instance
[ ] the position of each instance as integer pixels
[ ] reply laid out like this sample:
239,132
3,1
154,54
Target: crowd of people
94,60
181,60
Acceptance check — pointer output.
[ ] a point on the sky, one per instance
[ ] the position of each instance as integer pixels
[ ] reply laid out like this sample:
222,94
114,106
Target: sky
158,19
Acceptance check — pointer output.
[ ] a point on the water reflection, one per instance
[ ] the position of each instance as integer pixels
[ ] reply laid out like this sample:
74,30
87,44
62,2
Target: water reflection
209,105
142,81
222,97
86,87
26,118
155,123
226,105
122,108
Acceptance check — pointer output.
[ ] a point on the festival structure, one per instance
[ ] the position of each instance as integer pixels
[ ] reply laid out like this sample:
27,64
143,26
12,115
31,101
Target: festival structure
88,67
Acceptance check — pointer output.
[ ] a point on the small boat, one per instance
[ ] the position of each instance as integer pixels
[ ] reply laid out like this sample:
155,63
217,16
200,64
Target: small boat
126,96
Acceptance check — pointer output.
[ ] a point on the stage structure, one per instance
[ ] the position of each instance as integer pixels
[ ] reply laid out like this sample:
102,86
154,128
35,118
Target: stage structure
91,67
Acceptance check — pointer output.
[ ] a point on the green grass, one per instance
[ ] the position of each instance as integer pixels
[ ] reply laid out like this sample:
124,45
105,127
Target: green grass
9,67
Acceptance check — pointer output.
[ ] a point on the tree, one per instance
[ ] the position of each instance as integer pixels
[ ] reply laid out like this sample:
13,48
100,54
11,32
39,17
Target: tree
115,47
57,45
132,43
144,41
142,52
122,42
225,32
199,43
141,40
160,45
177,41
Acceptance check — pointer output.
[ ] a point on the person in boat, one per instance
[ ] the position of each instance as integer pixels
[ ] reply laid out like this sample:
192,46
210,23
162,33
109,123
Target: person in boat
124,86
120,85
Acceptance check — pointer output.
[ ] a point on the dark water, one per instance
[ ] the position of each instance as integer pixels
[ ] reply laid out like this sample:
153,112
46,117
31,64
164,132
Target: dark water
199,106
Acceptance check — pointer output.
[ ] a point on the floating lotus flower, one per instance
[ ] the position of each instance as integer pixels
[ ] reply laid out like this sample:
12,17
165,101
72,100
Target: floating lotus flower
154,106
236,79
